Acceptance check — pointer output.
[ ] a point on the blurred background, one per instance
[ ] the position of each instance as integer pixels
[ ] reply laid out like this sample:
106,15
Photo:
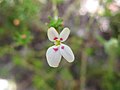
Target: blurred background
94,39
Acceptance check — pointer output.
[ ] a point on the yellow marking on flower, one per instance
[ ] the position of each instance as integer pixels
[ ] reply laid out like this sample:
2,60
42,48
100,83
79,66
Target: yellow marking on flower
57,42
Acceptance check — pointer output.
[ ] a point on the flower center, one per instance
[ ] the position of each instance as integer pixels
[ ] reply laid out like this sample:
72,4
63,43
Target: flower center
57,42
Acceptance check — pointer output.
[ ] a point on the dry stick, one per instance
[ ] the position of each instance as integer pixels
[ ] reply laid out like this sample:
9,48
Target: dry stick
84,58
83,70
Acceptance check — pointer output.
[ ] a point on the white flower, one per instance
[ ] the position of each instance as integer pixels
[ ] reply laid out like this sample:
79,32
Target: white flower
55,53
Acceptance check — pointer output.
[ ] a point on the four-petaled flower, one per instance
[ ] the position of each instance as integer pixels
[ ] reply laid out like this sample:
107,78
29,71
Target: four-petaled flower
55,53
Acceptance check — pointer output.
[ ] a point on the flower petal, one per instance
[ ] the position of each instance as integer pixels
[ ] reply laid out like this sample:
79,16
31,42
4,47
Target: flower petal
67,53
52,34
64,34
53,56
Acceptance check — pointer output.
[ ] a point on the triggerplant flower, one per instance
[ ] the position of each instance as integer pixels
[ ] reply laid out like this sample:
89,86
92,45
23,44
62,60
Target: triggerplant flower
55,52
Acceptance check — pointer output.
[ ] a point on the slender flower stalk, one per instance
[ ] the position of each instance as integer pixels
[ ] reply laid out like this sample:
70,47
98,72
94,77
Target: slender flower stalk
55,52
55,10
83,70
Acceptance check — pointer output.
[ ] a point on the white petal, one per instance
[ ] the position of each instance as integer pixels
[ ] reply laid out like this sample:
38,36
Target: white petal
53,56
64,34
52,34
67,53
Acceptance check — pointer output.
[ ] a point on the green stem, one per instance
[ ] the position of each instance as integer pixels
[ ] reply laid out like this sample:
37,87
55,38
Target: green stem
111,64
109,74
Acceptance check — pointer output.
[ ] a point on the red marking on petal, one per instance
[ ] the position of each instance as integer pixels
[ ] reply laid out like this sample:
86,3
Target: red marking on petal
55,38
62,47
61,39
55,49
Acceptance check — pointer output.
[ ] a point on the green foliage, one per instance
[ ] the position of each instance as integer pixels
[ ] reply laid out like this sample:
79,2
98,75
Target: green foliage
18,16
17,60
56,23
39,82
115,25
1,31
109,1
112,46
23,9
109,78
23,38
111,82
5,50
66,74
58,1
107,12
89,51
